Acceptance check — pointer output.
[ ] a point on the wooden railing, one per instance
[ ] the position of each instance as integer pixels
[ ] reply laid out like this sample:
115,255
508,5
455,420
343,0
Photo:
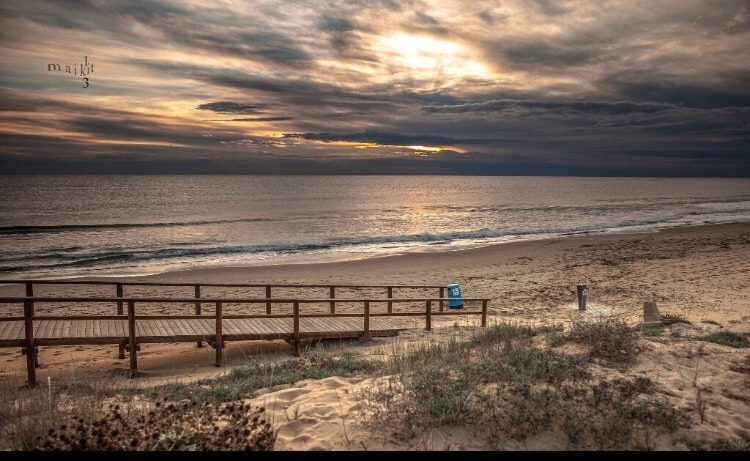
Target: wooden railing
119,289
130,339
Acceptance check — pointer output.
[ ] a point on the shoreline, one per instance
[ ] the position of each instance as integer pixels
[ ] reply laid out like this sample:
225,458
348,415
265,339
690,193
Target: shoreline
236,273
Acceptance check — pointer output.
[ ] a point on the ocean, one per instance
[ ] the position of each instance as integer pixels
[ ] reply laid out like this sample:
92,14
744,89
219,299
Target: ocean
92,226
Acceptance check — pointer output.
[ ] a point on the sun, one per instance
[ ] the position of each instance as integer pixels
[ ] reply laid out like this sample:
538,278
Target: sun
429,59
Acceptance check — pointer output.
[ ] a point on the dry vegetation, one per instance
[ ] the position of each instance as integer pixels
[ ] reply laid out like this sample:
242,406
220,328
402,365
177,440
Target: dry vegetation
505,382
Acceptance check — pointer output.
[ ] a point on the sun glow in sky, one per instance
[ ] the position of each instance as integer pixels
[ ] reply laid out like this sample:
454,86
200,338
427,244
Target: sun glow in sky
422,87
429,59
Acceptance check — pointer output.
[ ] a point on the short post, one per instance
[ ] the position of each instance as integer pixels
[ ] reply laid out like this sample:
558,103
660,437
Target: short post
442,295
118,291
28,314
484,312
651,314
131,334
295,308
198,307
332,292
390,303
367,320
268,296
197,303
581,292
428,321
121,346
219,340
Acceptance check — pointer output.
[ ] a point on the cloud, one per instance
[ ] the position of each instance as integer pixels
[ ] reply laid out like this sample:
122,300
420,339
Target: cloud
229,107
592,107
384,138
516,86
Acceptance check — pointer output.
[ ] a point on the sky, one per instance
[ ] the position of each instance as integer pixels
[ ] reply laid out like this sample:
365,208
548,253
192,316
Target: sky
522,87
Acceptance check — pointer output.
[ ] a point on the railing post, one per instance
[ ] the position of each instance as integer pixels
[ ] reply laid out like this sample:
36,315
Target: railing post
367,320
295,309
197,303
442,295
428,325
268,296
484,312
219,340
118,291
332,293
198,307
390,303
28,320
131,335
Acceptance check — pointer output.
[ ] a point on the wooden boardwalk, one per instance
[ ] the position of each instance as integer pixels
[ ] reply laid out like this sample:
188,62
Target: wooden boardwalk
98,330
28,329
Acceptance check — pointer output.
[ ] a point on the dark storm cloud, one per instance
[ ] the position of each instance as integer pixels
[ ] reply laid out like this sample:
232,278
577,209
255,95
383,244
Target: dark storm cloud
142,130
336,24
735,92
527,87
255,119
262,46
537,52
394,139
229,107
592,107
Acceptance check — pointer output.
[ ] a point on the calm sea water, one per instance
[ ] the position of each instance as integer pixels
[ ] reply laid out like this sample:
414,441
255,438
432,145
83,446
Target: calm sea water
67,226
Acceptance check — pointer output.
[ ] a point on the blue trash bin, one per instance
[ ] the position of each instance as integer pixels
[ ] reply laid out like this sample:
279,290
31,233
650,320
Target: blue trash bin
454,296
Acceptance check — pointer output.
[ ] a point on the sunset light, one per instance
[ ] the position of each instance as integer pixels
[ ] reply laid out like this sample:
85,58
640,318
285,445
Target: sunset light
493,87
424,58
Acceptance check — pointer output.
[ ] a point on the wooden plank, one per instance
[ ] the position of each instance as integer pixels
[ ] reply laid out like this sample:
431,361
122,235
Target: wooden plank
183,328
57,332
17,330
75,329
190,327
228,327
209,326
140,328
316,324
251,326
122,328
309,324
143,328
164,327
67,325
186,327
156,327
39,327
173,327
4,329
278,325
111,330
49,331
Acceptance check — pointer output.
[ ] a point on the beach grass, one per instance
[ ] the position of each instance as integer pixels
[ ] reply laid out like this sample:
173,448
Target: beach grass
505,382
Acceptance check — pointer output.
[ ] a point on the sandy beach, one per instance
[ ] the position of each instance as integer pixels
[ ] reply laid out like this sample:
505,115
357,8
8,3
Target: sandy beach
700,273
